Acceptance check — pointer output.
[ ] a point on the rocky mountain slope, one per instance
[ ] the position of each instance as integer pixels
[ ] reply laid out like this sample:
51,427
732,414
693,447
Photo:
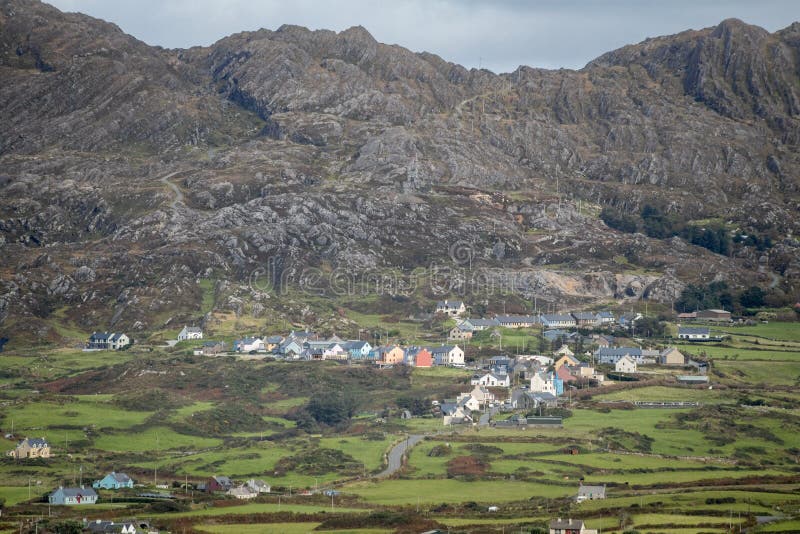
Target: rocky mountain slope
325,161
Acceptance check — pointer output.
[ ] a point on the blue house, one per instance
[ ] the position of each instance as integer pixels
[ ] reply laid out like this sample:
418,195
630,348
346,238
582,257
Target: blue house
73,496
359,350
114,481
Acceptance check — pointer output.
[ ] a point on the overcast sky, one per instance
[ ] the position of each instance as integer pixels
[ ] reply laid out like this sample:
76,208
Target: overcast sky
499,35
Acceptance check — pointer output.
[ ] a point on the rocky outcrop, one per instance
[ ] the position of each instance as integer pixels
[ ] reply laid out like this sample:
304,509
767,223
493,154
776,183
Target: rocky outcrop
328,160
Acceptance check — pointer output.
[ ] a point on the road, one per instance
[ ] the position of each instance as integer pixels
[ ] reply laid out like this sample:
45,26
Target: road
175,189
395,456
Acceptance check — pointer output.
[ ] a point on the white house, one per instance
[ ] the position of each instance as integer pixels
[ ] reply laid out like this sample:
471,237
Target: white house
492,380
453,308
448,355
242,493
258,485
694,333
190,332
543,383
626,364
249,344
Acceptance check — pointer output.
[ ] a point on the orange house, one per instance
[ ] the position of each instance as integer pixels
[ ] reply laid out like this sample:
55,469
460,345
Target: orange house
392,355
421,358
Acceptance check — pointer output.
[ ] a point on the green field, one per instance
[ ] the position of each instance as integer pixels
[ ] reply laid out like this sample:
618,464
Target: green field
152,439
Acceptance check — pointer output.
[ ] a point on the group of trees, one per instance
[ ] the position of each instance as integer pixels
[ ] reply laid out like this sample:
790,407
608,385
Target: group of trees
653,222
719,295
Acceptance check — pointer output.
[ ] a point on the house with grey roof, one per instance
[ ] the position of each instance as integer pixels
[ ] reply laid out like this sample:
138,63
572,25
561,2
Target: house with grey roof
114,481
480,324
557,321
73,496
107,341
30,448
453,308
569,526
694,333
591,493
190,332
586,318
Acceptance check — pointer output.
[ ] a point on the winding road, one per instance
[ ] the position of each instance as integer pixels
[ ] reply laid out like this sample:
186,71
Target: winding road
395,456
175,189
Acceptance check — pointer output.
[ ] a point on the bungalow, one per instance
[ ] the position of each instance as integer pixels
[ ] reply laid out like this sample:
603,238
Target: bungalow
359,350
557,321
218,483
242,493
114,481
717,316
569,526
249,344
73,496
418,357
626,364
210,348
30,448
460,332
453,308
107,341
516,321
190,332
480,324
586,319
591,493
258,485
671,356
491,380
694,333
448,355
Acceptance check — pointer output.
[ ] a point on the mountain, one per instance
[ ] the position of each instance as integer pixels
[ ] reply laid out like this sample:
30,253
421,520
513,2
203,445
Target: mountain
140,185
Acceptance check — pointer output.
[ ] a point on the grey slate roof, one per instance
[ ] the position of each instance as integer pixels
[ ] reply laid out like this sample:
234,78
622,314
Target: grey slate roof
693,330
74,492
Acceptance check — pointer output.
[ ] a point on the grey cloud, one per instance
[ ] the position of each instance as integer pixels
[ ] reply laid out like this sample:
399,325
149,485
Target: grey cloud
498,35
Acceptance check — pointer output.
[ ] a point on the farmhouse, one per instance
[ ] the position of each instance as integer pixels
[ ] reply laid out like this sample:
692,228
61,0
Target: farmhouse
30,448
73,496
569,526
107,341
114,481
590,493
626,364
453,308
190,332
694,333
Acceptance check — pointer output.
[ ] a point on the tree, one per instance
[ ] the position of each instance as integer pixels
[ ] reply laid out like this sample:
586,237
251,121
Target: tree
752,297
332,407
650,327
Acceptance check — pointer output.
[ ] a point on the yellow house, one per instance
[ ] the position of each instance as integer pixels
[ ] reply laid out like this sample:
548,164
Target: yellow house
392,355
31,448
565,360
